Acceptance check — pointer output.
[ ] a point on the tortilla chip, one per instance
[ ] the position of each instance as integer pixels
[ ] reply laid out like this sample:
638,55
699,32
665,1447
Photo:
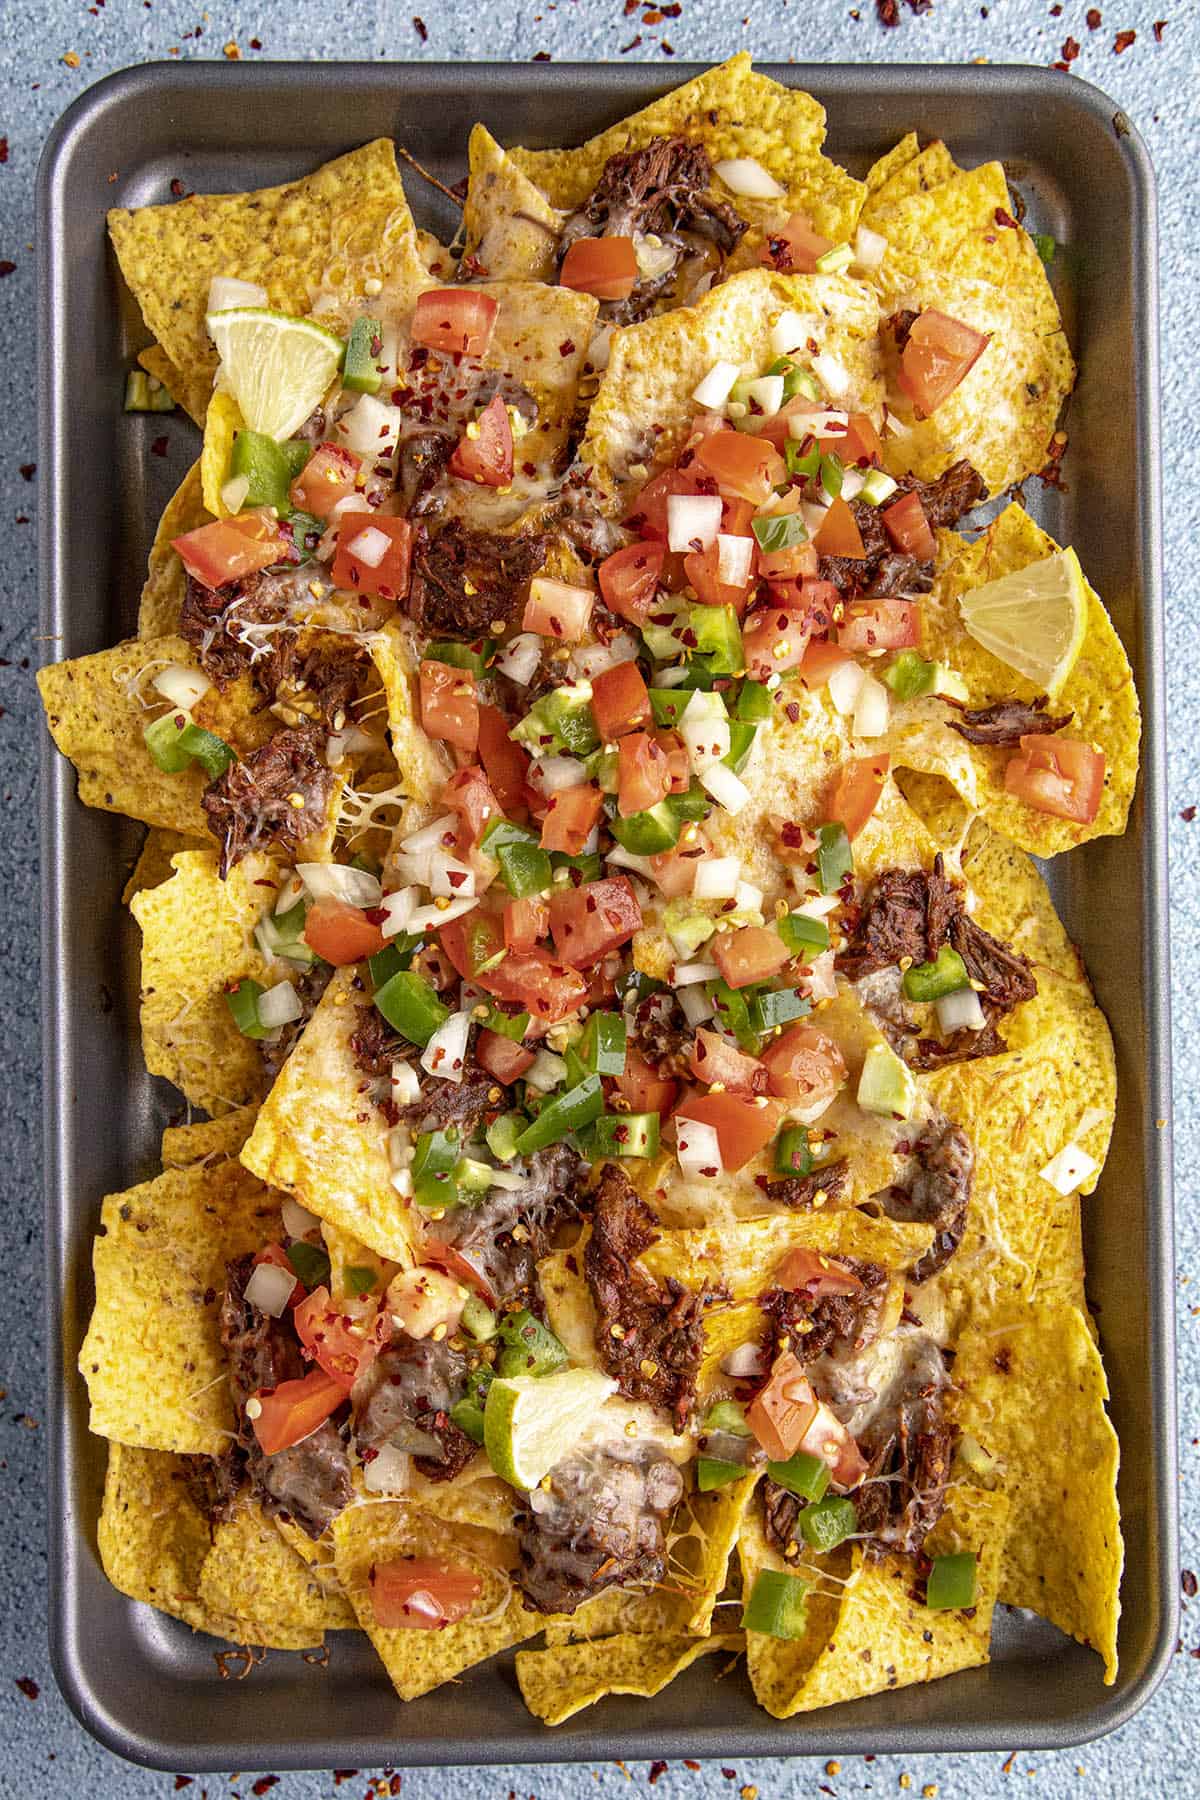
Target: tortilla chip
509,227
1099,691
419,1661
197,940
474,1497
155,1544
154,863
436,258
744,1256
320,1137
423,763
889,164
321,233
162,595
222,425
206,1141
152,1357
1063,1552
251,1570
346,1253
925,228
556,1684
914,174
192,392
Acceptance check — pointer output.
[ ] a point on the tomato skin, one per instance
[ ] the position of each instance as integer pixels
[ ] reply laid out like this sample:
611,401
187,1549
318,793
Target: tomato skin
715,1059
908,527
643,1087
820,660
748,466
828,1438
557,610
588,921
679,763
702,568
674,872
643,774
803,1064
503,1059
620,701
484,452
774,638
939,353
329,475
880,625
816,1274
605,266
415,1593
743,1125
859,443
795,564
540,983
469,794
506,763
754,953
228,549
292,1411
795,247
525,921
330,1337
449,707
571,818
629,579
389,578
782,1411
839,534
1058,775
341,933
648,513
856,790
459,321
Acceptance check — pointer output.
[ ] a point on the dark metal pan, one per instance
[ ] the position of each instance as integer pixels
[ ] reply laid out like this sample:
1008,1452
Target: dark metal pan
143,1684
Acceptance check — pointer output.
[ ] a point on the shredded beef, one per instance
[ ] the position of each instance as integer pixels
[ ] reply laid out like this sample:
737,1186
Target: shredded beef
661,1033
813,1326
309,985
900,324
798,1192
373,1044
1007,721
462,580
505,1236
661,189
277,795
1003,974
965,1045
421,462
215,1482
936,1191
462,1103
404,1398
598,1523
943,501
781,1513
220,623
650,1338
321,684
907,914
908,1445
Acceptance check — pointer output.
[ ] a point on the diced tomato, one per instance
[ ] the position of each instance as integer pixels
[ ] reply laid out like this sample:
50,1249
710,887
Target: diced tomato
1058,775
908,527
342,1345
643,1087
940,351
228,549
748,466
629,579
292,1411
329,475
484,452
604,266
278,1256
469,794
648,513
571,818
341,933
791,564
506,763
620,701
470,942
828,1438
354,564
856,790
643,774
703,570
525,921
417,1594
557,610
736,516
795,247
449,705
774,638
715,1060
752,954
501,1057
457,320
880,625
743,1125
838,534
811,1272
679,763
540,983
421,1299
805,1067
445,1256
782,1411
589,921
820,660
859,443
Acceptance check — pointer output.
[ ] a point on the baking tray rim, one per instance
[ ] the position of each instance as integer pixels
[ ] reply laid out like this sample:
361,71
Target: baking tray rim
141,1745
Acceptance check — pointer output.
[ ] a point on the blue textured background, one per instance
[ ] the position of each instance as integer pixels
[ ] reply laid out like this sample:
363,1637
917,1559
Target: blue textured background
47,58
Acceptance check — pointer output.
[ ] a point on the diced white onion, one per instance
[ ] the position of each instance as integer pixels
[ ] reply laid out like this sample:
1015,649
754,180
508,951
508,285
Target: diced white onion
227,291
449,877
845,681
948,684
827,422
297,1220
749,898
852,483
1069,1169
669,678
743,175
717,878
870,248
180,685
431,836
414,869
713,391
350,742
959,1011
370,546
628,859
832,375
789,331
291,889
546,1071
695,1004
767,394
446,1051
872,709
704,728
350,503
389,1472
600,347
338,881
813,515
591,660
743,1363
399,907
279,1006
819,906
698,1148
689,974
270,1288
822,977
406,1085
402,1182
428,918
693,520
734,557
554,773
520,657
725,787
654,258
400,1147
234,492
371,427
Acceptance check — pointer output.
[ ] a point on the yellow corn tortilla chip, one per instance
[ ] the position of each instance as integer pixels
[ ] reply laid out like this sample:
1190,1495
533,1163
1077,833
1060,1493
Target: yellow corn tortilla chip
556,1684
197,940
423,764
153,865
320,1137
1063,1552
221,426
438,261
925,228
191,391
322,233
474,1497
509,227
251,1570
744,1256
1099,691
162,595
914,174
889,164
347,1253
208,1140
417,1661
152,1357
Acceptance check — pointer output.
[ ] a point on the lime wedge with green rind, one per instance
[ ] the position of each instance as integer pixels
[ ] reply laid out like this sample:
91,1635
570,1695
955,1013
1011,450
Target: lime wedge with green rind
276,367
531,1422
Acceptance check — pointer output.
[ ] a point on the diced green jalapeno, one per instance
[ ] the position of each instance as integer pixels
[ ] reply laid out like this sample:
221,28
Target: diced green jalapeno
510,1025
667,705
310,1263
502,1134
360,1278
753,703
714,1472
1045,246
435,1158
411,1007
261,461
801,1474
835,859
467,1413
732,1007
717,636
727,1416
282,934
563,717
145,393
626,1134
803,457
499,833
602,1046
803,936
776,1605
211,752
741,740
164,739
472,1177
242,1002
931,980
952,1581
530,1348
910,675
474,656
586,867
524,869
832,471
777,1006
478,1320
692,805
579,1106
828,1523
793,1153
360,363
648,833
779,531
397,954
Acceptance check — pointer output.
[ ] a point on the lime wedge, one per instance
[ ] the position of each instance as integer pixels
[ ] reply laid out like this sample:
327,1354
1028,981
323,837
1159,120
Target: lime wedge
1034,619
531,1422
276,367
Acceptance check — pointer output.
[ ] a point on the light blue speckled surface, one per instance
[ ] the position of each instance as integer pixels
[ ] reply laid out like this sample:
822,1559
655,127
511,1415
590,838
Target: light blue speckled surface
42,1750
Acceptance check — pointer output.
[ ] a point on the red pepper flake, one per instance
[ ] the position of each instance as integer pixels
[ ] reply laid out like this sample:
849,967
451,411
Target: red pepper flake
421,29
567,347
256,43
1188,814
1123,40
657,1768
540,56
6,268
1186,1578
178,191
1005,219
631,7
159,446
183,1781
667,49
1070,51
4,142
29,1686
652,16
1094,18
28,471
264,1784
1160,25
689,1764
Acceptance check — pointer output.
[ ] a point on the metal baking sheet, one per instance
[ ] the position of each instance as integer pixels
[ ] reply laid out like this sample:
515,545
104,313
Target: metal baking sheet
142,1683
